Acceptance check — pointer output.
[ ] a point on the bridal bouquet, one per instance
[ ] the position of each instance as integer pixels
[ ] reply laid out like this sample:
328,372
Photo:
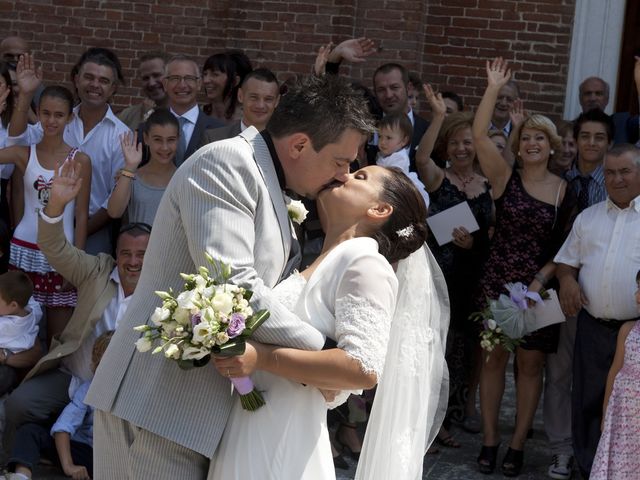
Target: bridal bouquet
509,318
209,316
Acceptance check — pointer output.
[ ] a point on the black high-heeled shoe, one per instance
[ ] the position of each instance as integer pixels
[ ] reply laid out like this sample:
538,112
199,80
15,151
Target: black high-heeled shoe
487,459
512,462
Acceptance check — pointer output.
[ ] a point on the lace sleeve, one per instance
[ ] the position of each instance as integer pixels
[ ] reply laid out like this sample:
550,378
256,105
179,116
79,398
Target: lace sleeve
365,302
288,291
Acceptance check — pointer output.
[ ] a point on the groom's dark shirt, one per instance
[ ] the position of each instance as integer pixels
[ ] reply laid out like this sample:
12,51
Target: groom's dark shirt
276,161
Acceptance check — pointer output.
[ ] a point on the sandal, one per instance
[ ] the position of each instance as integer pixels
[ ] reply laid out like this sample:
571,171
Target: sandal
487,459
512,462
448,441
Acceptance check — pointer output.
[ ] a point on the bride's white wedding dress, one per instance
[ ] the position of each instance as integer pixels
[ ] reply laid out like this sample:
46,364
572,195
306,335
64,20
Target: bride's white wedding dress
351,298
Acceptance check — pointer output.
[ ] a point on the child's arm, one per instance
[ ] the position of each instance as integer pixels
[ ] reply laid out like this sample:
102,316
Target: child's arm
82,201
16,154
29,79
63,447
70,420
431,174
121,194
618,361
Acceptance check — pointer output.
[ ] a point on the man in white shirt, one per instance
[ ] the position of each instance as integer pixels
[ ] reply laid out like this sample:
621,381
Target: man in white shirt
597,267
94,130
182,83
105,287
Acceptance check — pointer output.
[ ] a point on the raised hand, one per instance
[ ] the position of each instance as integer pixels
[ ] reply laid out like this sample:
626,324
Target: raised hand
29,77
4,94
132,150
436,102
517,113
65,186
354,50
498,73
322,58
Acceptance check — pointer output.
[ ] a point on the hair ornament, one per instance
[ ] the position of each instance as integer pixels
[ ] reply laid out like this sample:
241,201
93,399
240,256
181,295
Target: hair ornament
405,232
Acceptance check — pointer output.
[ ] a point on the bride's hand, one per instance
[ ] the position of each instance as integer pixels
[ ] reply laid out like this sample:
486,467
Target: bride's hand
241,365
329,395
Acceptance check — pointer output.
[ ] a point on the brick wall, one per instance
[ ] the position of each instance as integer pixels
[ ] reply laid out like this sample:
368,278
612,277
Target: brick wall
446,42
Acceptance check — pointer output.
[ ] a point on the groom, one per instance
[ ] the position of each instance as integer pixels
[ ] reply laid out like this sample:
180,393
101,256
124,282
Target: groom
154,420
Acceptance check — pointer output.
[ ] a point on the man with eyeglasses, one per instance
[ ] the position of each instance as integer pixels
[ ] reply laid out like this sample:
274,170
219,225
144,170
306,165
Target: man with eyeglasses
501,120
182,83
94,130
105,287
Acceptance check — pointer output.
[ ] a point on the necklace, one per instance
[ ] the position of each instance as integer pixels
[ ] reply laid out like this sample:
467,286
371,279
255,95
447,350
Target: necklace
465,181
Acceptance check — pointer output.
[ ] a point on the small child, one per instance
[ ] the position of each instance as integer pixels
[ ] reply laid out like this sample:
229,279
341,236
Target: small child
394,136
19,318
617,454
71,436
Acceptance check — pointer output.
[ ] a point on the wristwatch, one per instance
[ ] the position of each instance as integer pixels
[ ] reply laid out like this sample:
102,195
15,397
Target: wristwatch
5,356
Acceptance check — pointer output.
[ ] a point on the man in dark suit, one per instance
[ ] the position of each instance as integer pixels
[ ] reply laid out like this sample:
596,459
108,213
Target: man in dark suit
182,83
259,95
390,83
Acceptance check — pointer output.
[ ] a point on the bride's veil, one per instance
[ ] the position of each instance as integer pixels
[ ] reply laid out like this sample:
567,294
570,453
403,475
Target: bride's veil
411,399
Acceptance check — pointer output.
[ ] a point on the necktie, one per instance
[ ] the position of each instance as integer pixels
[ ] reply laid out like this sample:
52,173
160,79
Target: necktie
182,143
583,195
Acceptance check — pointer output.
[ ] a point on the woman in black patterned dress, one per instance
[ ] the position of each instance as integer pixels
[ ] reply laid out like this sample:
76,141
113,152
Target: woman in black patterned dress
531,214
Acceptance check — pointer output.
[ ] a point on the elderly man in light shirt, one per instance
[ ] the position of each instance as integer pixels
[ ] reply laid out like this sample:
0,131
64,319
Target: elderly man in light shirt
597,267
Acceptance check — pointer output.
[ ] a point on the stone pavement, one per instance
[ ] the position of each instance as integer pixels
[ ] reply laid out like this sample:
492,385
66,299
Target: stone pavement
450,463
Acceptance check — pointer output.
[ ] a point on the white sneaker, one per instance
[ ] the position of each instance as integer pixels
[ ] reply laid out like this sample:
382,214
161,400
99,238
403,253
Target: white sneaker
561,467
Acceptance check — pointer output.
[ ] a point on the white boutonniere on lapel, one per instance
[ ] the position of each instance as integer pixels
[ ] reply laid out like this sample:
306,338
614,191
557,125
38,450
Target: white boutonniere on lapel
296,209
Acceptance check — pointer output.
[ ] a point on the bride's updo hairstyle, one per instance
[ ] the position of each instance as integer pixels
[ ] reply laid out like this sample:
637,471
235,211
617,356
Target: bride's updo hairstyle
406,229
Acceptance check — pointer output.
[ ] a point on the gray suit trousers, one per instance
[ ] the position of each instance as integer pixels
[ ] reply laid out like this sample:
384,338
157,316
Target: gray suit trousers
123,451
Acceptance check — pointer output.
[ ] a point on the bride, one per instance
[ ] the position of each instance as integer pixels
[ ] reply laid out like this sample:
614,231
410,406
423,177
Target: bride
390,330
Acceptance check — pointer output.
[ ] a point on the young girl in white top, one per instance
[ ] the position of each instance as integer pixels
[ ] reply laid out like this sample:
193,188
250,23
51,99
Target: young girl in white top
38,164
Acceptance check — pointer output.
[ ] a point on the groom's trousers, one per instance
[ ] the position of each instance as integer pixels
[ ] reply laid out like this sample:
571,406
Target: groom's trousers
124,451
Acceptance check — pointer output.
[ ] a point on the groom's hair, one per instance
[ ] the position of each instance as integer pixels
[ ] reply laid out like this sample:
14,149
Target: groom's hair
322,108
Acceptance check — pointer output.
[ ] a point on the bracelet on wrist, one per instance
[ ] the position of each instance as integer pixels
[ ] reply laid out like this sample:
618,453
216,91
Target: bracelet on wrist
540,278
127,173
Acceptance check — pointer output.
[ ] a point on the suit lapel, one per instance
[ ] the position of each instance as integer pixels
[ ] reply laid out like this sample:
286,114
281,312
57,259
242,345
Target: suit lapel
268,172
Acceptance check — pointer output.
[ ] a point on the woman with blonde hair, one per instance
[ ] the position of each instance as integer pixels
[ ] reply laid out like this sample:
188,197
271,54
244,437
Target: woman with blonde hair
532,211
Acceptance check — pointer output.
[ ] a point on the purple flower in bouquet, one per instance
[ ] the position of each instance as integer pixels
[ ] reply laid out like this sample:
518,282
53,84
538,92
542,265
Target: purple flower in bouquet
519,294
196,318
236,325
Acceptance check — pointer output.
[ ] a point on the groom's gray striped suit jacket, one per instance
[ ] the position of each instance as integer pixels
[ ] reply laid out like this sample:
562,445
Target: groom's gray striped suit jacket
226,200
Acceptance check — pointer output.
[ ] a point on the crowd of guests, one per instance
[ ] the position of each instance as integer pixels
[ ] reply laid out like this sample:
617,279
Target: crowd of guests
556,207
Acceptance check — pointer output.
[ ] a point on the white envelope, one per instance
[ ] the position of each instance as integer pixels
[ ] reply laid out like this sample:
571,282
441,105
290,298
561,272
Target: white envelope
443,223
546,313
